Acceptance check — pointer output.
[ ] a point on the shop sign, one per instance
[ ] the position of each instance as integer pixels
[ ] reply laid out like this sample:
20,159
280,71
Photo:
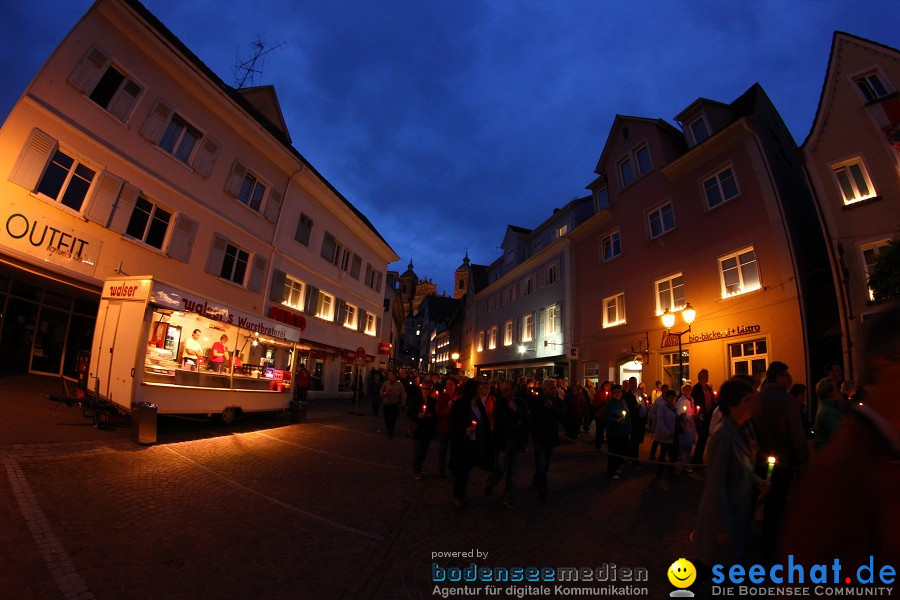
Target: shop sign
348,354
384,348
126,289
288,317
669,340
171,298
28,232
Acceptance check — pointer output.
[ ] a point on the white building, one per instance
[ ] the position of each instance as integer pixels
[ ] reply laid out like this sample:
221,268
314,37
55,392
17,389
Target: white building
126,155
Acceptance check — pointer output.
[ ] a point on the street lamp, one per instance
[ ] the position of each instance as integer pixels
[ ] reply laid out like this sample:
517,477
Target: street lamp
668,321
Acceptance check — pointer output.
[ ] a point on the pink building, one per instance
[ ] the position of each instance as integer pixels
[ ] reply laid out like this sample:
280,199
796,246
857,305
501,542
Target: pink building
853,160
715,216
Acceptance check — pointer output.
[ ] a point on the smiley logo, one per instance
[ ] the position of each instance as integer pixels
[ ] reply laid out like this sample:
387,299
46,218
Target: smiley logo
682,573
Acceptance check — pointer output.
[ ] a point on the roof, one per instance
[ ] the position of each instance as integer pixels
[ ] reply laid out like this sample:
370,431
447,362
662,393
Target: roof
246,106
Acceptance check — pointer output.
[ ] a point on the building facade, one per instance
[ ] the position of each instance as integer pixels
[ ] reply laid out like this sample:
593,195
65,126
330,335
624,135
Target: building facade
852,157
126,155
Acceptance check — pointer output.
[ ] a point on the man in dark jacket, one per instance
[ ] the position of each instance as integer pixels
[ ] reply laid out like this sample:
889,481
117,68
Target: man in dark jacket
423,415
510,436
704,403
545,420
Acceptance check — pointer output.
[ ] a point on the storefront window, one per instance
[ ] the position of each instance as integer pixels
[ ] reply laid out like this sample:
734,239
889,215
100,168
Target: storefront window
670,369
749,358
190,350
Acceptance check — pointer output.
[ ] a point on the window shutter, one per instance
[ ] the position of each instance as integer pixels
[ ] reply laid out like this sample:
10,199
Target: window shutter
542,322
312,300
273,205
105,194
182,240
276,291
206,156
89,70
258,273
235,179
155,123
361,320
378,276
124,207
377,326
216,255
340,313
31,162
355,266
124,101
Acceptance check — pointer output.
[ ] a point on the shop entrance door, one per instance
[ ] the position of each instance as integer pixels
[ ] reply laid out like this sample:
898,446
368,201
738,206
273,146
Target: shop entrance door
49,341
18,335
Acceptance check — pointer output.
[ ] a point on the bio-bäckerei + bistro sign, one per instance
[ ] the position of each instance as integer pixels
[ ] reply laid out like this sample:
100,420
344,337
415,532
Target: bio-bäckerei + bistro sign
29,232
168,297
669,339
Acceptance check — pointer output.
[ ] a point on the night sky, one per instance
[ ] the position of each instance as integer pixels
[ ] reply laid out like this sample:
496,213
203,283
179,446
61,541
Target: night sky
445,121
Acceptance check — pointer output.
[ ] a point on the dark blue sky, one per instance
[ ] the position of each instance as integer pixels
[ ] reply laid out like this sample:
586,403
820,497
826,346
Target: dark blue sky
445,121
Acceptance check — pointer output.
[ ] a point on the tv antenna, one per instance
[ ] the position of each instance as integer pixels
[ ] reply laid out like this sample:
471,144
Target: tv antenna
245,71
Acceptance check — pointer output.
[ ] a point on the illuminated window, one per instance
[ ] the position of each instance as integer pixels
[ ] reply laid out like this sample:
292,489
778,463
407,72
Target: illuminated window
492,337
480,346
854,181
610,246
670,294
614,310
508,333
148,223
66,180
350,316
325,306
528,328
738,273
720,188
661,220
870,254
671,366
749,358
561,231
552,320
293,293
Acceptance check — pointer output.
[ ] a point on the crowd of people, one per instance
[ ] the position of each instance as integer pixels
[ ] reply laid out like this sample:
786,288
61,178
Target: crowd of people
754,441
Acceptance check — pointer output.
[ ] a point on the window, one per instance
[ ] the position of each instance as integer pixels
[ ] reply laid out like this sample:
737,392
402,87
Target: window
528,328
480,346
854,181
355,266
373,278
528,285
66,180
552,320
179,139
350,316
614,310
720,188
234,266
699,129
870,254
345,260
304,229
670,294
635,164
371,324
610,246
176,136
871,87
661,219
331,249
149,223
671,366
738,273
553,273
509,294
492,337
508,333
749,358
601,197
561,231
325,306
293,293
106,85
461,285
251,191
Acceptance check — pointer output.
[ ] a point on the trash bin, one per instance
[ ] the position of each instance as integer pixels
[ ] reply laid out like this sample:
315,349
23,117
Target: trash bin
298,411
143,422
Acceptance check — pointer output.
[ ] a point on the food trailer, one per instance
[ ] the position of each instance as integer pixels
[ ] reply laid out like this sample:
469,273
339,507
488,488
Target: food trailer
187,354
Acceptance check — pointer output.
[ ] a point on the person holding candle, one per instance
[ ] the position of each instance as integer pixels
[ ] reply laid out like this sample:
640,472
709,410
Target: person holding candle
722,533
425,419
687,414
599,405
705,399
470,443
665,434
618,428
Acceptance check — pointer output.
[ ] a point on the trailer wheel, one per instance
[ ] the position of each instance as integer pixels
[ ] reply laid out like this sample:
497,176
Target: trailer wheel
228,416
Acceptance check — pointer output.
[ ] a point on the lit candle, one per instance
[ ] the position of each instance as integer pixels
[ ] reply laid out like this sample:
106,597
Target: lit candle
771,460
624,413
424,406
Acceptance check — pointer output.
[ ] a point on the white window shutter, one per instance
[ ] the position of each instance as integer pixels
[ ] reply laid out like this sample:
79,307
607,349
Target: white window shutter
206,156
258,273
216,255
235,179
273,205
156,122
124,207
105,193
33,159
88,72
542,322
182,240
124,101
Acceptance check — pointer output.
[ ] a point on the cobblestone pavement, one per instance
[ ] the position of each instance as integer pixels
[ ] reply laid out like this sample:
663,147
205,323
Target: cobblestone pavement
328,507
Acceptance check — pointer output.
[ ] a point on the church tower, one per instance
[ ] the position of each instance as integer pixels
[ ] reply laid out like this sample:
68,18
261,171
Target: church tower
462,280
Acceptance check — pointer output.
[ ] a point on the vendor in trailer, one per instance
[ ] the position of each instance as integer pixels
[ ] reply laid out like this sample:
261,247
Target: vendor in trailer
219,354
192,351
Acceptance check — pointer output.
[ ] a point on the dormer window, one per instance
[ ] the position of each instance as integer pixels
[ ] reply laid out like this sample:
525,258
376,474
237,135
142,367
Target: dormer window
872,87
699,129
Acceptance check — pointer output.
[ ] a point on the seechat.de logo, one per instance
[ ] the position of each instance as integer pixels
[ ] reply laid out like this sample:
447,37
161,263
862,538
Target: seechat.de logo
682,574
